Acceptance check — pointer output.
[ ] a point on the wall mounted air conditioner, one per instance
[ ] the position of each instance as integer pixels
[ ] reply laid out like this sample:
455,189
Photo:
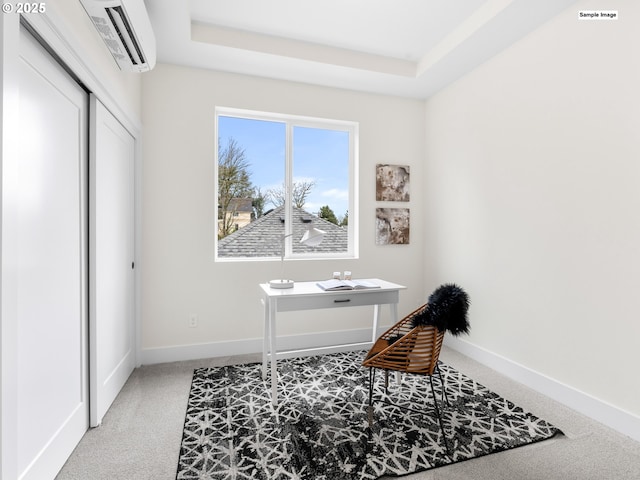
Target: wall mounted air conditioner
125,27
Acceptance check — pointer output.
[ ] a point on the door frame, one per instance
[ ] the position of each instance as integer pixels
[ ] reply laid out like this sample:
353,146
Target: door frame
63,43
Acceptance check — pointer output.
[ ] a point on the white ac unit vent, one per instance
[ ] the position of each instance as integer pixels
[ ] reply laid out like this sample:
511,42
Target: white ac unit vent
125,28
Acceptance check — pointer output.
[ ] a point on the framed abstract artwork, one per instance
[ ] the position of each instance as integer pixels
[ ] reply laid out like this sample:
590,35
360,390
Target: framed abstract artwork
392,183
392,226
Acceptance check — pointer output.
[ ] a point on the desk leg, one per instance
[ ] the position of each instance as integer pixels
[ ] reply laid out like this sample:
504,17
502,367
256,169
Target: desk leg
376,322
394,320
265,337
272,351
394,313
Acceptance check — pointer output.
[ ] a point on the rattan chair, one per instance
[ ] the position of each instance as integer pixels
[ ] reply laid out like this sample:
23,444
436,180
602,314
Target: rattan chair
413,344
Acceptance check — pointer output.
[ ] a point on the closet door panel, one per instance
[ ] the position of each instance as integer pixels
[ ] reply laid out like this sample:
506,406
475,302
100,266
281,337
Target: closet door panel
112,325
52,275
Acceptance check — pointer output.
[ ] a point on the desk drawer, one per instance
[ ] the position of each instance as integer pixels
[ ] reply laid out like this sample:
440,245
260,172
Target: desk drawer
334,300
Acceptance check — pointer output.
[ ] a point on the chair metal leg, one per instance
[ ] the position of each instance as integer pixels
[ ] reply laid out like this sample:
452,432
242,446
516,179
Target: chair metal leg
435,402
445,397
370,407
433,394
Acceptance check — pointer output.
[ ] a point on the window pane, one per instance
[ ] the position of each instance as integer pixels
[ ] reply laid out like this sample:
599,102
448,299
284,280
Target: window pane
321,187
251,165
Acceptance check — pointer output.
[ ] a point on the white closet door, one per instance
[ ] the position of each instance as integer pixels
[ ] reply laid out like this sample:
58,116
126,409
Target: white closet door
53,408
112,327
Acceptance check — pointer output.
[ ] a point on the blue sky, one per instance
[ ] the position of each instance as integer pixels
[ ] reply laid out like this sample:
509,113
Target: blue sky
319,155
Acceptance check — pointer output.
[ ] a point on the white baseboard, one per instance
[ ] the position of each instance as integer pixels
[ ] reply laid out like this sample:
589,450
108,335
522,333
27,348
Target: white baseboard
254,345
601,411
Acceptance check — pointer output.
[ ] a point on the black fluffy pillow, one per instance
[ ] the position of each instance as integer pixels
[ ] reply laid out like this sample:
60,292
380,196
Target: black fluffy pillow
446,310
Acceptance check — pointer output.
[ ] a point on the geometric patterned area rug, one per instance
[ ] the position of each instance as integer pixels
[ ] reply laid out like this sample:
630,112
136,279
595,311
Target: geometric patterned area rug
320,429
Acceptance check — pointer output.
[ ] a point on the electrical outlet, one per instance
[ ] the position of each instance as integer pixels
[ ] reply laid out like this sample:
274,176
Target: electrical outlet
193,321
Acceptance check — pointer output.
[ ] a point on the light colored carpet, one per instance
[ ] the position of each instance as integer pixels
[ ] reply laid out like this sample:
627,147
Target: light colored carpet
140,435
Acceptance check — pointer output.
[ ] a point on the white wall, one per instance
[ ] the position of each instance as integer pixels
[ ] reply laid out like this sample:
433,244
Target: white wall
179,275
533,194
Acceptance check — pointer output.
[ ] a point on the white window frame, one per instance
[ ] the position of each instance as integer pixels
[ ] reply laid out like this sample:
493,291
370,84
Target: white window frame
290,122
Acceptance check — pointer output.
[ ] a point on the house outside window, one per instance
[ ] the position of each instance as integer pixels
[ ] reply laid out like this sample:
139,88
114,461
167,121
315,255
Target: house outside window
278,175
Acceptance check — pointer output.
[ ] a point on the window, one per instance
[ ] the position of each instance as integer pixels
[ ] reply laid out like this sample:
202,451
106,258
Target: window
279,175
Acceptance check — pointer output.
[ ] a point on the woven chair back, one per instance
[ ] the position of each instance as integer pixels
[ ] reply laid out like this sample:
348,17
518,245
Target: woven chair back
405,348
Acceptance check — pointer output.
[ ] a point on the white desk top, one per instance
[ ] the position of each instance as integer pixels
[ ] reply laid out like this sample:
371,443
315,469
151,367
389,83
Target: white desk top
311,288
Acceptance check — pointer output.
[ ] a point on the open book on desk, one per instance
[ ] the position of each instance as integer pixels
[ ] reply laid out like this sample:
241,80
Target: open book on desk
335,284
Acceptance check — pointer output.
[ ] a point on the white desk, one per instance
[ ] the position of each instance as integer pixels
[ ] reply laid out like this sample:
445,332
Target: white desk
308,296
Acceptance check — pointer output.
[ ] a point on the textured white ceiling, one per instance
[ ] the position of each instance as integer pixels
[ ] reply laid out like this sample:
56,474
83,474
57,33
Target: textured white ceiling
409,48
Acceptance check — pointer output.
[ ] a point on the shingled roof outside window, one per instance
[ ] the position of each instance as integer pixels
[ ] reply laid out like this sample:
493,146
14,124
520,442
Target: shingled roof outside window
261,238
